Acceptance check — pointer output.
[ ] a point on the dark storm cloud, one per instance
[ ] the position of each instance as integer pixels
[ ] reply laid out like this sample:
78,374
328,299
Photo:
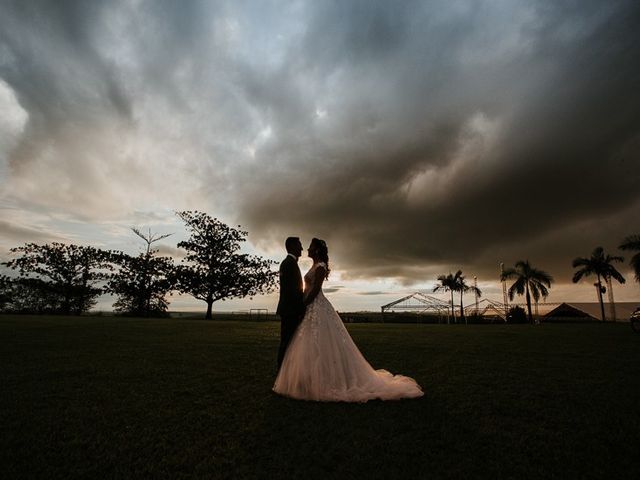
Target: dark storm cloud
63,32
462,131
109,90
415,137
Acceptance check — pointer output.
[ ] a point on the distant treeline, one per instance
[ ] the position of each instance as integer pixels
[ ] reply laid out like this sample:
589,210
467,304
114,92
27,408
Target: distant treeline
58,278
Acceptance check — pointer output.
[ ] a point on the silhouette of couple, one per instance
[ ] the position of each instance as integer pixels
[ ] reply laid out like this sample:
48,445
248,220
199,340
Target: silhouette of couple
317,359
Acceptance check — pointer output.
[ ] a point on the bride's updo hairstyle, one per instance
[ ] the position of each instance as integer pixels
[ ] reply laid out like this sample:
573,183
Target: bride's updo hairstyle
322,252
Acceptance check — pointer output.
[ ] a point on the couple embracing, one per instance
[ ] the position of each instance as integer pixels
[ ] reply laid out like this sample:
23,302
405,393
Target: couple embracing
317,359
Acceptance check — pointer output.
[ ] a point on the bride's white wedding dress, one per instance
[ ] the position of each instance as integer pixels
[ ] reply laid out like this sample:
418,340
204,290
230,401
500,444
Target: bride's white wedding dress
322,362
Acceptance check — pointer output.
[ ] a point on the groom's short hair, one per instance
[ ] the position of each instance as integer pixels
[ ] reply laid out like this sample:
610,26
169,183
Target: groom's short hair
291,242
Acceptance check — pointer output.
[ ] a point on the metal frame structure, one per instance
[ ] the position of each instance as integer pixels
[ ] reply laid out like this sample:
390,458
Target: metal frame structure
487,307
419,303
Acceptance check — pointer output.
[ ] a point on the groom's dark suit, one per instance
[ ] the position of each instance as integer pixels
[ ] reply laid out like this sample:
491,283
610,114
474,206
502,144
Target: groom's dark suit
290,306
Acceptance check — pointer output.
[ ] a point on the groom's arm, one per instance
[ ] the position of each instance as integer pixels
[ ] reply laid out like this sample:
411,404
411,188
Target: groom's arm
288,279
290,292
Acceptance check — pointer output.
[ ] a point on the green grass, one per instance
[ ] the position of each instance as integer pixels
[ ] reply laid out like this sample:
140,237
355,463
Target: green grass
121,398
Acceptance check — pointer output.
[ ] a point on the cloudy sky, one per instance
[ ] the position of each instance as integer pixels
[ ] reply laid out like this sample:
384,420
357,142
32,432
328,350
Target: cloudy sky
416,138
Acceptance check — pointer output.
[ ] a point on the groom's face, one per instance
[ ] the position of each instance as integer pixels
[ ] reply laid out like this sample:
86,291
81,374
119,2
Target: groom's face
297,249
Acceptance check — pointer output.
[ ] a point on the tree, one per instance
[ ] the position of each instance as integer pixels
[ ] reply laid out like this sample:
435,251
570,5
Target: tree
69,272
449,283
632,242
212,270
6,292
142,282
516,315
28,295
600,265
529,281
462,287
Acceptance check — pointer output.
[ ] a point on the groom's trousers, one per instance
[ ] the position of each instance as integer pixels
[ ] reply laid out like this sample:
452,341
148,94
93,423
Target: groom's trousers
288,326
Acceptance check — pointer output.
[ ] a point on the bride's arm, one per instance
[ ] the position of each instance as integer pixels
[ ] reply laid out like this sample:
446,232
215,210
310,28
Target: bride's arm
317,285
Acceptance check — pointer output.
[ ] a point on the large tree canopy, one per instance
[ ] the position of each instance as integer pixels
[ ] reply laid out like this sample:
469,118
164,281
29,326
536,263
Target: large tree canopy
600,265
142,282
528,281
632,243
28,295
70,273
449,283
213,269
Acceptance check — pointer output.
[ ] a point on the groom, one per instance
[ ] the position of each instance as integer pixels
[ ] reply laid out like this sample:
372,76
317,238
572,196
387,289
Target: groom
290,306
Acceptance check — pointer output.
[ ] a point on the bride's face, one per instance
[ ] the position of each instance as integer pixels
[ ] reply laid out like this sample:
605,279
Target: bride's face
311,251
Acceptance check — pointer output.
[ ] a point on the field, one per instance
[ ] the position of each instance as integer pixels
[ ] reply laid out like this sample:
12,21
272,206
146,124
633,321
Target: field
97,397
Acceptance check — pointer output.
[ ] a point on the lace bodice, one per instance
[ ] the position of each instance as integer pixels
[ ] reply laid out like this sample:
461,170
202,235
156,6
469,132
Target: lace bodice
310,276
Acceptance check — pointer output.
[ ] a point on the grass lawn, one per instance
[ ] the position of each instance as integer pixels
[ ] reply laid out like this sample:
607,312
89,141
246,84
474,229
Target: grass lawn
121,398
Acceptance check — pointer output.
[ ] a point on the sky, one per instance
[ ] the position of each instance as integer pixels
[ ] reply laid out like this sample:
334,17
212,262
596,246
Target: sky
416,138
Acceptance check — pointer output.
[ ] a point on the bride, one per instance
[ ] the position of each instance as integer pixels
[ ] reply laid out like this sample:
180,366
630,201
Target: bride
322,363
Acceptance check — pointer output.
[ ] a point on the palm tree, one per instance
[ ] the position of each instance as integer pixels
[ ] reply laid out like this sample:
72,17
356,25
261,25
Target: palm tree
601,266
529,281
449,283
462,287
632,242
